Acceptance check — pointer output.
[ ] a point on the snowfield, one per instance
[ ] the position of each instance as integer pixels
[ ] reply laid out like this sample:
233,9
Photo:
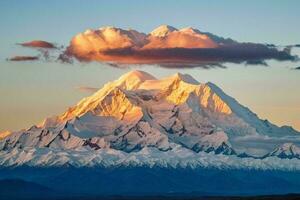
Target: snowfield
147,157
139,120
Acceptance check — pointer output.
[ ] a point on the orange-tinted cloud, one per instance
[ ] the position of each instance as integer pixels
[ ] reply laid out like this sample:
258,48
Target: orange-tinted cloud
169,37
86,89
38,44
46,52
23,58
166,44
250,53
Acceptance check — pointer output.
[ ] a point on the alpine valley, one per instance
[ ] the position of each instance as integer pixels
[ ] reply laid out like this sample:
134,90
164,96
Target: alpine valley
140,135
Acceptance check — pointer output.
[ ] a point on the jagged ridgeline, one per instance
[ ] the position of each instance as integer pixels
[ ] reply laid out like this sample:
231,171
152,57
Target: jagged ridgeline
141,120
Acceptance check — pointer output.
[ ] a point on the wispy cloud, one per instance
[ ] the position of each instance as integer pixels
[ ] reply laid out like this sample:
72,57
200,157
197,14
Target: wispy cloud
86,89
23,58
47,52
38,44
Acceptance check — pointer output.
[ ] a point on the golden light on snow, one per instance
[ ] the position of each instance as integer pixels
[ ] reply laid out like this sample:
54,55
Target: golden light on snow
4,134
113,101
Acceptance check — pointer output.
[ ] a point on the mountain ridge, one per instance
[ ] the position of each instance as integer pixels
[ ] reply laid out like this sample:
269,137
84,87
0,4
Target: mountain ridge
138,112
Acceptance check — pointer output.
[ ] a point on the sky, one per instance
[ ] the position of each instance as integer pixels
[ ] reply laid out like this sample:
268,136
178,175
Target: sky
31,91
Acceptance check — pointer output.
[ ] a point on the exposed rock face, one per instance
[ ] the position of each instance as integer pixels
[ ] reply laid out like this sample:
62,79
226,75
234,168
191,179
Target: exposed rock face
137,112
286,151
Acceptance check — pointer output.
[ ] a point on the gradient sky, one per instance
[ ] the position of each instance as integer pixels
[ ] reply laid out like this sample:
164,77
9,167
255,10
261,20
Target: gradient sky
31,91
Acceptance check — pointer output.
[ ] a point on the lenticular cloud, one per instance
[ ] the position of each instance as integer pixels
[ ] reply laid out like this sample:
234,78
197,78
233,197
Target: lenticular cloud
38,44
23,58
166,44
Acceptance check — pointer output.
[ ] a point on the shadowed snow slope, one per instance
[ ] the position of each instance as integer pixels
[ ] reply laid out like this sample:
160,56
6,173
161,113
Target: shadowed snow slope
287,150
142,120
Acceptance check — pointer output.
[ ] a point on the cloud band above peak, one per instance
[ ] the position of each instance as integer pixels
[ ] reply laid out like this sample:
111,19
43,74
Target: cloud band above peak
166,44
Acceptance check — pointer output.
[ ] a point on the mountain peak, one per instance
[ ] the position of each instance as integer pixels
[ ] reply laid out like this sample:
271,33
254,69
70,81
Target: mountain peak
186,78
286,150
190,30
129,81
162,30
109,28
4,134
171,116
137,74
289,147
133,79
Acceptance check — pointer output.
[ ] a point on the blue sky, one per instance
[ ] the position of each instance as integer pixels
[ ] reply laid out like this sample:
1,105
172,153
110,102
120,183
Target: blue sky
32,91
272,21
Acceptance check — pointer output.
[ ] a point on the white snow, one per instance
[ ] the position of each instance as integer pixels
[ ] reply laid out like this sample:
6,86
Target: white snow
139,120
177,157
286,150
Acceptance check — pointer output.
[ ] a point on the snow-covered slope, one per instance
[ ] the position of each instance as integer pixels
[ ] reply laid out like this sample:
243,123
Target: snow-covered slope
4,134
287,150
175,116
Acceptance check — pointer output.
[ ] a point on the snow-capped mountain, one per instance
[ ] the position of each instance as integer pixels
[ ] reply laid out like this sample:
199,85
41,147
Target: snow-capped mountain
286,150
4,134
143,120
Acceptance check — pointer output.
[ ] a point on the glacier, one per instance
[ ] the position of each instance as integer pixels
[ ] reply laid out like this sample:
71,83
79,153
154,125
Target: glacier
141,121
